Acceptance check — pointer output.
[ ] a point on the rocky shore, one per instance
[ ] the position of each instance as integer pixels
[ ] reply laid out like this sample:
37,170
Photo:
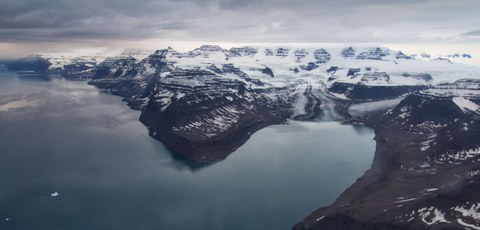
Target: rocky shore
425,173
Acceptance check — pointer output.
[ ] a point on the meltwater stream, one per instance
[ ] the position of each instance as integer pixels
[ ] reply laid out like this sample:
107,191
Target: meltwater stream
72,157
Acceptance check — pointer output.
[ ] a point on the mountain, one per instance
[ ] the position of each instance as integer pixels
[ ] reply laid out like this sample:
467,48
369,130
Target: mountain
458,55
73,67
66,65
205,103
34,64
425,173
206,97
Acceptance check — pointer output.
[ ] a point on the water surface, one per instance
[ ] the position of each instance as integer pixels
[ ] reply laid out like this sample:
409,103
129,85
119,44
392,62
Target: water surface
69,138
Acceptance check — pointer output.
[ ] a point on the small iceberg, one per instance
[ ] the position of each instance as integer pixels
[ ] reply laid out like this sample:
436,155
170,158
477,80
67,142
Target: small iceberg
55,194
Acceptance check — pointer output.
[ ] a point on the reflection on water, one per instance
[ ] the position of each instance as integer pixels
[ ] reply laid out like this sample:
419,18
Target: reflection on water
35,77
292,127
360,130
90,148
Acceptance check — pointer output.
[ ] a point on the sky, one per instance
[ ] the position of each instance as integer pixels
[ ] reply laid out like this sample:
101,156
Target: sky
36,26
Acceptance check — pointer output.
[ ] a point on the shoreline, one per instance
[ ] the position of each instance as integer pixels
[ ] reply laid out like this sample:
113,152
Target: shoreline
408,186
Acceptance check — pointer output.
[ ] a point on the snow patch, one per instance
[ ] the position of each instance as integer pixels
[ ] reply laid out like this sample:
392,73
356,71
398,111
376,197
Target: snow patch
339,96
402,200
472,211
465,105
461,222
432,215
362,108
459,156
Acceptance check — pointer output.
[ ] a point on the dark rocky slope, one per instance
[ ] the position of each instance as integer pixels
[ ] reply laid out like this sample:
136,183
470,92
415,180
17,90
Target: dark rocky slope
360,93
425,173
132,79
198,114
207,122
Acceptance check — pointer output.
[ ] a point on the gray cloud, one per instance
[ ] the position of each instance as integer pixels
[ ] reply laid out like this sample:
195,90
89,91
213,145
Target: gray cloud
474,33
237,20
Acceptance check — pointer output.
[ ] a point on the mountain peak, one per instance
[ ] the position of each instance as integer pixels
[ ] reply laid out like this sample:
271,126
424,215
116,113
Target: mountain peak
210,48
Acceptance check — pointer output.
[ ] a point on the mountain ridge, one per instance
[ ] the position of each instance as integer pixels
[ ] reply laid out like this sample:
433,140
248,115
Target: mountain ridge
205,103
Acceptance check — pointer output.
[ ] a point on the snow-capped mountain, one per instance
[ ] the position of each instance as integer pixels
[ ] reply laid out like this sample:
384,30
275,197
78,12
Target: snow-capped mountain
69,65
458,55
205,103
75,67
60,61
225,89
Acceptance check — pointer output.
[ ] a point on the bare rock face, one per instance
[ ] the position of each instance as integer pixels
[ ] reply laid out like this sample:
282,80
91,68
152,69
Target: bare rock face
401,55
348,52
322,56
309,67
360,92
373,54
131,78
242,52
210,119
300,54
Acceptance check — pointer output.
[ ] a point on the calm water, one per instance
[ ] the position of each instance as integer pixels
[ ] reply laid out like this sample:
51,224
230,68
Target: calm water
69,138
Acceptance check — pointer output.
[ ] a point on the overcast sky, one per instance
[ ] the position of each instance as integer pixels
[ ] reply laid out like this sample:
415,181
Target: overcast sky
29,26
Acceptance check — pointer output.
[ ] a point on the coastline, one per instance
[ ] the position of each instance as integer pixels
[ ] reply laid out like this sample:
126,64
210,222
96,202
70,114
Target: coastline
407,187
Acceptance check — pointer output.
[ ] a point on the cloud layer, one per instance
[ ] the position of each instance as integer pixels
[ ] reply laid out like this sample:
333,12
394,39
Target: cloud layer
238,20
